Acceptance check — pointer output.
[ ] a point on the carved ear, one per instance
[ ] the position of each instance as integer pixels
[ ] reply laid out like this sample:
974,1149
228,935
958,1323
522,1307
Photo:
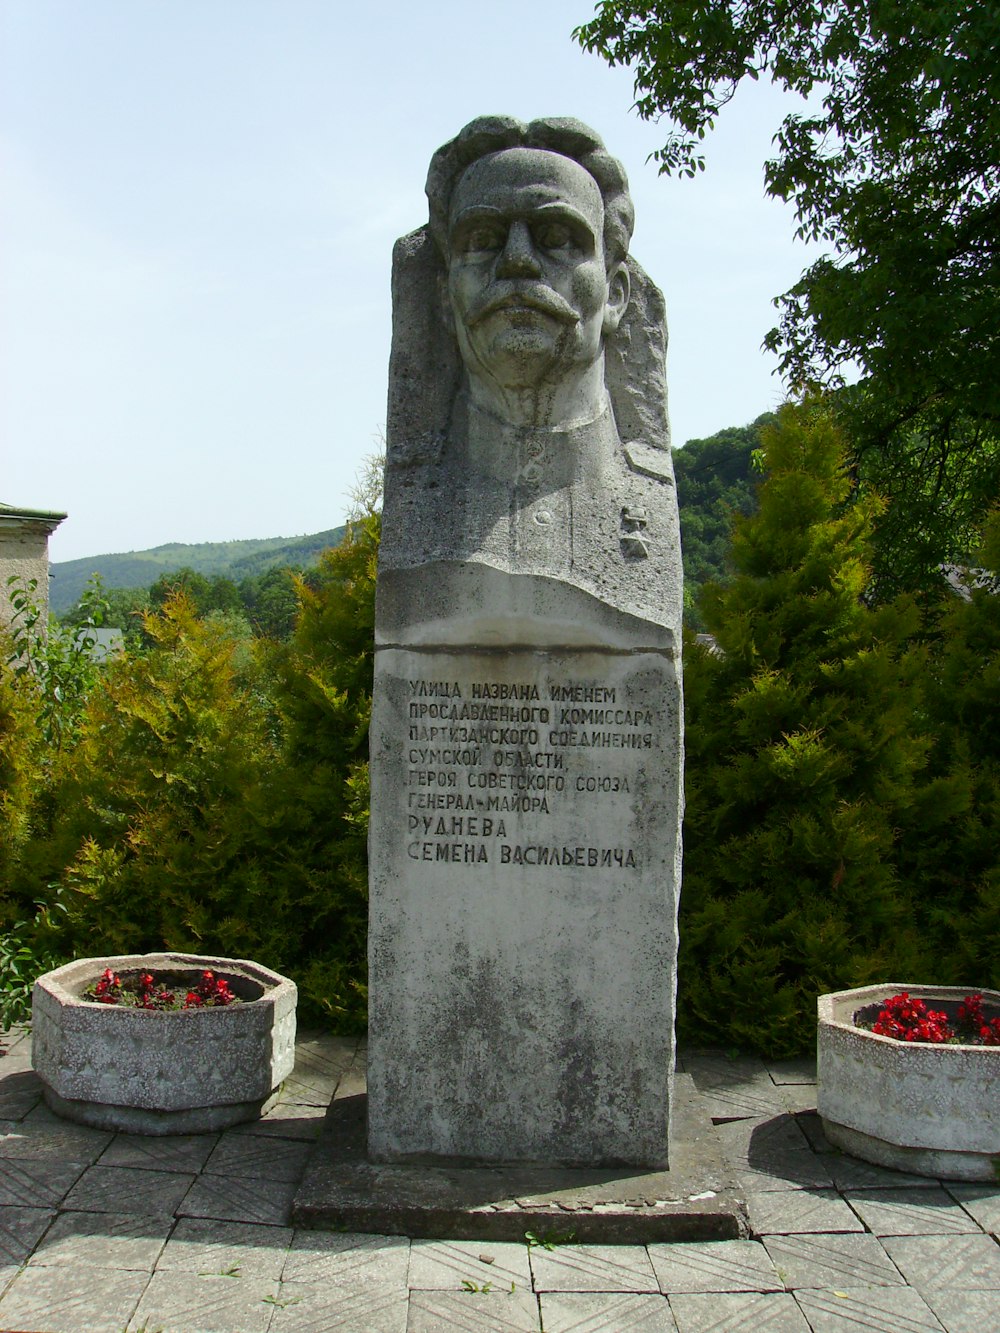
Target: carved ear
618,293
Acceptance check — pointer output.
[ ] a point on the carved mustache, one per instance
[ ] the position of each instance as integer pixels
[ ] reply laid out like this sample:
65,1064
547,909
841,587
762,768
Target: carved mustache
511,296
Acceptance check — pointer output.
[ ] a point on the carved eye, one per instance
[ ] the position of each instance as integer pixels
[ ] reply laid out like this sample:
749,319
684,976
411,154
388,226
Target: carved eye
554,236
483,237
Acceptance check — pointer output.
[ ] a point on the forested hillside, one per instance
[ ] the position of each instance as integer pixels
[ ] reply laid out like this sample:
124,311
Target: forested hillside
235,560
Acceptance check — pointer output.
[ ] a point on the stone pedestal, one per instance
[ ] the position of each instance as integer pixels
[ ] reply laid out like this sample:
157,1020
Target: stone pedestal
524,865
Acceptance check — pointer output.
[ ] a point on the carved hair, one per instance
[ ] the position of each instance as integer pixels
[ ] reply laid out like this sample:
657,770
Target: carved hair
557,134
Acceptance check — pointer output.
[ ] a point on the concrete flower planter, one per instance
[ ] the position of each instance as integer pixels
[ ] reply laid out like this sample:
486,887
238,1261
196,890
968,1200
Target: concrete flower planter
932,1110
162,1073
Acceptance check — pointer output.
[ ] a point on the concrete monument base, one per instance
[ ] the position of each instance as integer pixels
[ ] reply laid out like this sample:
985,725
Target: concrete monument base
697,1199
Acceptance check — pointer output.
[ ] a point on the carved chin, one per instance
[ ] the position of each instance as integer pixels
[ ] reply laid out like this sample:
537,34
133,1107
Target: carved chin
522,351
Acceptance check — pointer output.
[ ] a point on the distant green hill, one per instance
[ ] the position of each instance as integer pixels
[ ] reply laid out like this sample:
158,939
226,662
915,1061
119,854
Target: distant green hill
138,569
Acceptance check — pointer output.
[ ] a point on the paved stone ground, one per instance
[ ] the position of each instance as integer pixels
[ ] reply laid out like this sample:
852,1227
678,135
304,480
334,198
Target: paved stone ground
104,1233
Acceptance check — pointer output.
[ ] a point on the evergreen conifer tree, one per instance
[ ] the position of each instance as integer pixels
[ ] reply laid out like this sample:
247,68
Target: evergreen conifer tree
802,759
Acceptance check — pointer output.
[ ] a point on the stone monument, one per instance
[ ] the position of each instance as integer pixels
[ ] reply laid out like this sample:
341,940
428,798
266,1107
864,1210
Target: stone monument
526,725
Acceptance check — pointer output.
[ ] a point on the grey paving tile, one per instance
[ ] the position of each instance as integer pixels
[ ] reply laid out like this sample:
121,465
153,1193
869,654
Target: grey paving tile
180,1303
835,1260
981,1202
790,1212
910,1212
605,1312
304,1307
103,1240
593,1268
310,1086
285,1120
799,1098
812,1129
752,1099
872,1310
43,1136
239,1199
168,1152
745,1312
72,1300
347,1260
801,1170
122,1189
965,1311
468,1312
20,1093
725,1265
802,1070
929,1262
761,1140
204,1245
850,1173
258,1156
20,1231
444,1265
30,1183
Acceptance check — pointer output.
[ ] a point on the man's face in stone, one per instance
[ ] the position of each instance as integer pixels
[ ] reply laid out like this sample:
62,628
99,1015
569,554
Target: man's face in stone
527,280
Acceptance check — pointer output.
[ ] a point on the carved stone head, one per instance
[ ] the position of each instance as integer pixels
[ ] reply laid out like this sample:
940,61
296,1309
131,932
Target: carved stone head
533,224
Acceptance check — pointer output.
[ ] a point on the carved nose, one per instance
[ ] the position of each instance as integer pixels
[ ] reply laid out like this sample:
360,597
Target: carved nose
518,258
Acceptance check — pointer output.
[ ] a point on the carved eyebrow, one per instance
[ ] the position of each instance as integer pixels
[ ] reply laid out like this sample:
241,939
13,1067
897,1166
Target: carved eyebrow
556,210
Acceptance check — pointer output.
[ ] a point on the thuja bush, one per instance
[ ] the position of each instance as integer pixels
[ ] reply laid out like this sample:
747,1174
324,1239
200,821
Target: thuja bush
164,826
953,863
804,758
324,695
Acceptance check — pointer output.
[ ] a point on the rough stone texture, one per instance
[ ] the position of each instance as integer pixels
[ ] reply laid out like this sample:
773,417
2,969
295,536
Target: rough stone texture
927,1109
694,1200
150,1072
525,737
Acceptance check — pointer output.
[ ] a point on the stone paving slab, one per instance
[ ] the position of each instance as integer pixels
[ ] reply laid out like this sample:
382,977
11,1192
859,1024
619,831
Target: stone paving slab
727,1265
981,1202
836,1260
696,1199
112,1189
35,1183
969,1261
276,1159
239,1199
789,1212
965,1311
332,1260
202,1245
42,1135
20,1231
181,1303
304,1308
605,1312
445,1265
871,1310
469,1312
746,1312
104,1240
72,1300
593,1268
910,1212
167,1152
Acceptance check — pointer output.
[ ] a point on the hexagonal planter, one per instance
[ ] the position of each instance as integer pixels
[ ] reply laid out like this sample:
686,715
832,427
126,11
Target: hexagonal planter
151,1072
932,1110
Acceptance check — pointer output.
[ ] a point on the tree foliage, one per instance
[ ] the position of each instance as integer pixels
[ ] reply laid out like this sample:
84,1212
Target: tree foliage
894,160
802,761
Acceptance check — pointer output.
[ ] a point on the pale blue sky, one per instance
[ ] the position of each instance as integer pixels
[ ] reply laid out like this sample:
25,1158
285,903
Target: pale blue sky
199,203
